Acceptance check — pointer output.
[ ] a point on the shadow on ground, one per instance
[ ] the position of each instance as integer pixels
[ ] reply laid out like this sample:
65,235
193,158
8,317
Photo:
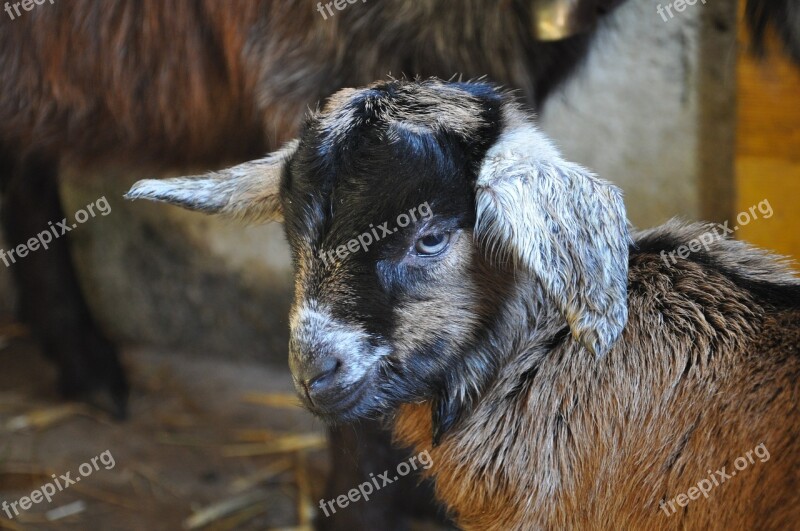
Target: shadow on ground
210,443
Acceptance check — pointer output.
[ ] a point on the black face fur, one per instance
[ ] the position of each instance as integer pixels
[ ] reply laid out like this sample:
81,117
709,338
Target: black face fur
410,319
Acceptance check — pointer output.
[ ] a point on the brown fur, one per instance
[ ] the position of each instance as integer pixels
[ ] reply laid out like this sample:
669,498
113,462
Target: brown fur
144,77
204,81
704,372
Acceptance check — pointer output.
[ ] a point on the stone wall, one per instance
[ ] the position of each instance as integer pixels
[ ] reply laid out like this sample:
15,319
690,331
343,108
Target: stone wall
159,274
653,111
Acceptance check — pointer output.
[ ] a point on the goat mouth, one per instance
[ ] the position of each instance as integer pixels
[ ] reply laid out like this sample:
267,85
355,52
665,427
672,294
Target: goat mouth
345,406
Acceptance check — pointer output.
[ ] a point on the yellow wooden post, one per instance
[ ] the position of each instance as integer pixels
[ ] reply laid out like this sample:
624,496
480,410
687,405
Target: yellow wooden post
768,146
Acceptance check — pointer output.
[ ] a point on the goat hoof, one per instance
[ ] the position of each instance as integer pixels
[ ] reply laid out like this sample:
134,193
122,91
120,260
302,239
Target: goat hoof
90,371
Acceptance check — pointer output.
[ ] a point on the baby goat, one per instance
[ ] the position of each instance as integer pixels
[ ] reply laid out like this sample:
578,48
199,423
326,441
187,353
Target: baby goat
562,375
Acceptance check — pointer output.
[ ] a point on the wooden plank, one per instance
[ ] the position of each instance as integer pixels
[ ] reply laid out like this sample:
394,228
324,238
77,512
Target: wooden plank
768,146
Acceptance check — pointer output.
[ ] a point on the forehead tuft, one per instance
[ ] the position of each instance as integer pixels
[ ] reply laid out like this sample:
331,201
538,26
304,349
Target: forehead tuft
423,141
424,108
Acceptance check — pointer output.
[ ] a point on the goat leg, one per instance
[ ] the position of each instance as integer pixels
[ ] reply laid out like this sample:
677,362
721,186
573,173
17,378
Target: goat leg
50,299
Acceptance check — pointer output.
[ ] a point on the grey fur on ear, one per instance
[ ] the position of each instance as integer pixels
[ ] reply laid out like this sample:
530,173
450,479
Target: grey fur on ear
249,191
561,223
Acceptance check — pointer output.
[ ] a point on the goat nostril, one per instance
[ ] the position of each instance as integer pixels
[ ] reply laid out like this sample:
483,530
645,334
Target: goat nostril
325,372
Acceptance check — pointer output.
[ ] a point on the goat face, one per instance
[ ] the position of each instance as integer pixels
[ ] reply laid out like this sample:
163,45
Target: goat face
413,209
391,169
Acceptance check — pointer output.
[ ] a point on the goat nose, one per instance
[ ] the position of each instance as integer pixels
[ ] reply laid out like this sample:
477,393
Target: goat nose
317,374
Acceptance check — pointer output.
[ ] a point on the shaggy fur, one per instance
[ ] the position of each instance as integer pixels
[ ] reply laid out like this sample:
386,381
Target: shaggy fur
198,82
783,16
482,353
706,369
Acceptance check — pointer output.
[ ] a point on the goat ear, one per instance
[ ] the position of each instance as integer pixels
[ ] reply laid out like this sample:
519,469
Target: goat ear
564,225
249,191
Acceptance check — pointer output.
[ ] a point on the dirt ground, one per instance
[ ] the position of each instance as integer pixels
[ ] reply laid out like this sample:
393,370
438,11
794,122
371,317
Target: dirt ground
210,444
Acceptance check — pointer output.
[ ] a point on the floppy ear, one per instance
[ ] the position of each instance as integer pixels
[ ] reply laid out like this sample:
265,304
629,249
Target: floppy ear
561,223
249,191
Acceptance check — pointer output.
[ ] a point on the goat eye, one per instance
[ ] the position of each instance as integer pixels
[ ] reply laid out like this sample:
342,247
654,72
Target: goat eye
432,244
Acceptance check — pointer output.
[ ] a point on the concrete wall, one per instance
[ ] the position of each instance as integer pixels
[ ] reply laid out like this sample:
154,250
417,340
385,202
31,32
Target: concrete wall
653,110
159,274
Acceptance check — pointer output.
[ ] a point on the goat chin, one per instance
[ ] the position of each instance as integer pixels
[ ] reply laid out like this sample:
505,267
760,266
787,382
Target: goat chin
705,371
